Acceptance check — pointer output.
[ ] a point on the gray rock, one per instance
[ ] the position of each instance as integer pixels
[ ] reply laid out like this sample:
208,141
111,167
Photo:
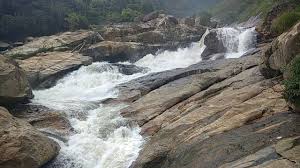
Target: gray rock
207,115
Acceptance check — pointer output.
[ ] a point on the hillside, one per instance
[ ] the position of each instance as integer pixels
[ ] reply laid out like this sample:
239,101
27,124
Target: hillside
228,11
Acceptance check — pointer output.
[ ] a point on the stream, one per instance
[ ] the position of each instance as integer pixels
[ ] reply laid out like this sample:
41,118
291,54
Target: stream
103,138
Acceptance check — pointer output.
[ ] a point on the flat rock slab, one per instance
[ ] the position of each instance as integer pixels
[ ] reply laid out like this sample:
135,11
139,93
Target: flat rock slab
67,40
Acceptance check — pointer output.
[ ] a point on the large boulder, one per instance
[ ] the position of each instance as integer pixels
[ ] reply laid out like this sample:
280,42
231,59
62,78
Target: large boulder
213,45
14,86
44,69
65,41
281,52
120,51
21,145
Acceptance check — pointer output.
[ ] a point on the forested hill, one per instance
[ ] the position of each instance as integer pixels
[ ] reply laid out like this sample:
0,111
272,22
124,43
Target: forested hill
187,7
228,11
22,18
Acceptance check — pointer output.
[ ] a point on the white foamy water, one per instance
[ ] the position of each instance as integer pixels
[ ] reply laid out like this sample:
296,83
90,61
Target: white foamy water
167,60
103,138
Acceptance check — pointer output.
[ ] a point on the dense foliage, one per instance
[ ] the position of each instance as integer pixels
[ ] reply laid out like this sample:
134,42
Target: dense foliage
286,21
292,85
22,18
229,11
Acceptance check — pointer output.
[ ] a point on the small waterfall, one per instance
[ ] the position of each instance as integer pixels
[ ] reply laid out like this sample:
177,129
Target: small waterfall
237,41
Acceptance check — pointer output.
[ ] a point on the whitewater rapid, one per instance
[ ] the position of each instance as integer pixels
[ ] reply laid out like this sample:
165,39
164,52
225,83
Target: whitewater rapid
103,138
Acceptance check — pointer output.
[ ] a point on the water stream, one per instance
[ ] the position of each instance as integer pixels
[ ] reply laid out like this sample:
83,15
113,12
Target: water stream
103,138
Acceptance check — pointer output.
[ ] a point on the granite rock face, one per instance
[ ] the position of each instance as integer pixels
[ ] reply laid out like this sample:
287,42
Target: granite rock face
212,114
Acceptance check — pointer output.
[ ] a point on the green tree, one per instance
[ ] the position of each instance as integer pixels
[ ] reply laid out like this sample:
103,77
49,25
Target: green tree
76,21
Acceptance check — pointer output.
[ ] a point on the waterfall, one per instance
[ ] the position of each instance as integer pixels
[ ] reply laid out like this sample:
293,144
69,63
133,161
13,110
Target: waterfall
237,40
103,138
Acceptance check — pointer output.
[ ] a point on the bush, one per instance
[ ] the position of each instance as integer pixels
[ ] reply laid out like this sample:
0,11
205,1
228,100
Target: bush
292,85
128,15
285,22
76,21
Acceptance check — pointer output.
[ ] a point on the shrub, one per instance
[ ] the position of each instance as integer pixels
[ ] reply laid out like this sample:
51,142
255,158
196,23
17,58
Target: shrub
292,84
285,22
76,21
128,14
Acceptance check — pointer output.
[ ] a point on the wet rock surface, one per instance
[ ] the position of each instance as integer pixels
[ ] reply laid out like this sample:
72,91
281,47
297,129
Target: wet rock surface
52,123
212,114
23,146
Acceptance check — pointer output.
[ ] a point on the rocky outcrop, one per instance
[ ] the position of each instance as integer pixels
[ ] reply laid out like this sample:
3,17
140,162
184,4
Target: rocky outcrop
211,114
65,41
14,86
281,52
44,69
213,45
162,30
23,146
120,51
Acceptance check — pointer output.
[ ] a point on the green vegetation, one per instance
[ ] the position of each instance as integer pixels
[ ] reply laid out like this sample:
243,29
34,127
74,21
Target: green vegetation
229,11
292,85
285,21
23,18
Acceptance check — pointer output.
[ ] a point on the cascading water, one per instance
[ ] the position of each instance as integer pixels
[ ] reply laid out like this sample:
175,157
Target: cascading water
103,138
